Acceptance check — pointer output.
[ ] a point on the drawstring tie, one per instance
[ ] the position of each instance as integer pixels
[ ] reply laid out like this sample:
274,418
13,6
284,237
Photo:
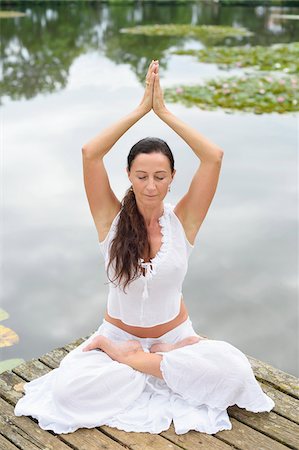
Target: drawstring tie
149,272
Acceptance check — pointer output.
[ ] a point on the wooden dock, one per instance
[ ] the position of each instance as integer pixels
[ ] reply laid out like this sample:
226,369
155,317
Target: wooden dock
276,430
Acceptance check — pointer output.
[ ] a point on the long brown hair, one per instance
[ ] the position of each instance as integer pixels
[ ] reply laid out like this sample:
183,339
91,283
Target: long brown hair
131,238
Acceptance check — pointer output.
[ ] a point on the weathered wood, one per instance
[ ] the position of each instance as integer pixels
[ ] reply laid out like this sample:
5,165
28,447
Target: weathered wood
239,437
25,433
6,445
284,404
270,423
276,430
282,381
31,369
90,439
53,358
140,441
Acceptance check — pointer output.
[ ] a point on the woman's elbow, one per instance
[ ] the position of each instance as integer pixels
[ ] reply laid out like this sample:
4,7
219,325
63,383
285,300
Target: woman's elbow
219,154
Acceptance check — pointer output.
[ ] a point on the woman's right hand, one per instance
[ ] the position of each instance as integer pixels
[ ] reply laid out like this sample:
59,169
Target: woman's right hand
146,103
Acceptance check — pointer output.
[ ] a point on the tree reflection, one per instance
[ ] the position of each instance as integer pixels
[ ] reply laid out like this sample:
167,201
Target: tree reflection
39,48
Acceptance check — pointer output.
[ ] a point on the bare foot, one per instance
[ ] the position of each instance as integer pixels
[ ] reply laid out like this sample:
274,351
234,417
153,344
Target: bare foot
116,350
161,347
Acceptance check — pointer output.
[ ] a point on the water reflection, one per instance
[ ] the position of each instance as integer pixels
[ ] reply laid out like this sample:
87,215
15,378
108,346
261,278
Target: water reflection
39,48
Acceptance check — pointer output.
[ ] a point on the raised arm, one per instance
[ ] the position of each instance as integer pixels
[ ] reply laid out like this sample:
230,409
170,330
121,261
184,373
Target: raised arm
194,205
103,203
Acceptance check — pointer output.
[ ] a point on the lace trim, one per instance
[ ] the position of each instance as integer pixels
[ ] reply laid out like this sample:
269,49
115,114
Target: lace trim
151,266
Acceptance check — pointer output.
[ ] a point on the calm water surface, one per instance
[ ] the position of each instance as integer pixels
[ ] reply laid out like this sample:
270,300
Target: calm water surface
67,73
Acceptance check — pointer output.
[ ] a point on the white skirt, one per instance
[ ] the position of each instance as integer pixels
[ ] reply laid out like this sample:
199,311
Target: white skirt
90,389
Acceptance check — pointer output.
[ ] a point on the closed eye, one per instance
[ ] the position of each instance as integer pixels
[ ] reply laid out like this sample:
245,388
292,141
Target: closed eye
158,178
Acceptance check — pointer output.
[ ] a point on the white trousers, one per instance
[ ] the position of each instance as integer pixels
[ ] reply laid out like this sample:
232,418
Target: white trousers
200,381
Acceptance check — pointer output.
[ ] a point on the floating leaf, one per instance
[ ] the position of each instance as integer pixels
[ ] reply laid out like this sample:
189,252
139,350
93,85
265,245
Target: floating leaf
241,93
3,314
7,337
10,14
9,364
208,33
277,57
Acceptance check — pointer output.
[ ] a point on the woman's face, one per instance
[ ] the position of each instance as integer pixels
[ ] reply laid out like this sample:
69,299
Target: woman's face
150,176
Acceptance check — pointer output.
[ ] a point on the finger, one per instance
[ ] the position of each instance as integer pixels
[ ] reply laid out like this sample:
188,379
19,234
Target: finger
149,73
88,347
150,67
149,82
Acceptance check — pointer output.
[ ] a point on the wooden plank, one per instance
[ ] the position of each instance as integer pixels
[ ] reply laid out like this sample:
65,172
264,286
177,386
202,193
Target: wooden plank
284,404
282,381
195,440
240,437
245,438
8,381
25,433
271,424
31,369
140,441
90,439
6,445
53,358
76,343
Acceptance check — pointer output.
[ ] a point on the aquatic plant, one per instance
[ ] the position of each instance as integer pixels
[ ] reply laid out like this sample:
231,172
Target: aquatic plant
277,57
7,338
210,34
258,93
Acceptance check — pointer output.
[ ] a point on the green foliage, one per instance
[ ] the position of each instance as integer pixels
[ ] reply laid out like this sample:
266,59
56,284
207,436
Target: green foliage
281,57
7,338
252,92
209,34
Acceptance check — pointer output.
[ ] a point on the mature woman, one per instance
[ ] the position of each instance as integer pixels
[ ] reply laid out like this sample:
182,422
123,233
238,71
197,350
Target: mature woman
145,365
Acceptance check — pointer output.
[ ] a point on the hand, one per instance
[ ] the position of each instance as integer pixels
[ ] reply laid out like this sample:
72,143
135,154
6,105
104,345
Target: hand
146,103
158,98
93,344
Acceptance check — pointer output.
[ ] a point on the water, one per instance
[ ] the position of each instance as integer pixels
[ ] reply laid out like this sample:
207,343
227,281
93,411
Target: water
68,73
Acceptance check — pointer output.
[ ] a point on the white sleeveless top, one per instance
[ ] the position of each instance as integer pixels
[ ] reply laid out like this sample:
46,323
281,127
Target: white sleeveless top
153,298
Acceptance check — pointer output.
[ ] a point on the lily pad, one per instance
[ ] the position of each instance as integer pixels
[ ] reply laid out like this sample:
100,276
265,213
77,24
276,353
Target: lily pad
9,364
258,93
278,57
210,34
11,14
3,314
7,337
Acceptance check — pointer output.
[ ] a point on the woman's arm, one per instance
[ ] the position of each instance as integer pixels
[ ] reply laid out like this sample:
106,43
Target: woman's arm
103,203
194,205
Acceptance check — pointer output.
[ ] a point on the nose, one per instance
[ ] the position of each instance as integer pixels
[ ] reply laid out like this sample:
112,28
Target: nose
151,185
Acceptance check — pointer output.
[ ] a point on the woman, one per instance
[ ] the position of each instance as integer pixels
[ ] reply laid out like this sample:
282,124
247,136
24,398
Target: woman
145,365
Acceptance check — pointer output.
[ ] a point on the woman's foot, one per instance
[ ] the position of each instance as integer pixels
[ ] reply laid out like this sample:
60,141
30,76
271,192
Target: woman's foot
161,347
118,351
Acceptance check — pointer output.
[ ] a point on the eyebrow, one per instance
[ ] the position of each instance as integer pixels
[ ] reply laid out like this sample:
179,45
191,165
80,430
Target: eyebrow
158,171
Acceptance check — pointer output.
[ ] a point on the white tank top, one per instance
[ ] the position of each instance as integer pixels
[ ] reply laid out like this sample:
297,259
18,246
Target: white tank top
153,298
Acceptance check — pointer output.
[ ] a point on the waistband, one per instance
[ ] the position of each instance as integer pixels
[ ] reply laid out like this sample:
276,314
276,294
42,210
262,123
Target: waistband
177,333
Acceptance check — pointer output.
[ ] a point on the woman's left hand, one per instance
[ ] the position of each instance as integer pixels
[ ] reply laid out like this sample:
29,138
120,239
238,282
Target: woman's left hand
146,103
158,98
93,345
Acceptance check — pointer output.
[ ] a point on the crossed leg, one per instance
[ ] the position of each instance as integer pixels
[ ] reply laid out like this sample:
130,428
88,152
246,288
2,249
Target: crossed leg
130,352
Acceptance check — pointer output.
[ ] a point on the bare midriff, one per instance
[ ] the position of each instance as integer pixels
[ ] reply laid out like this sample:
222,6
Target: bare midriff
151,332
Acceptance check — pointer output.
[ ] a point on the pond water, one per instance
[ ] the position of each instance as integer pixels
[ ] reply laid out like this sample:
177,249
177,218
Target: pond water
67,73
